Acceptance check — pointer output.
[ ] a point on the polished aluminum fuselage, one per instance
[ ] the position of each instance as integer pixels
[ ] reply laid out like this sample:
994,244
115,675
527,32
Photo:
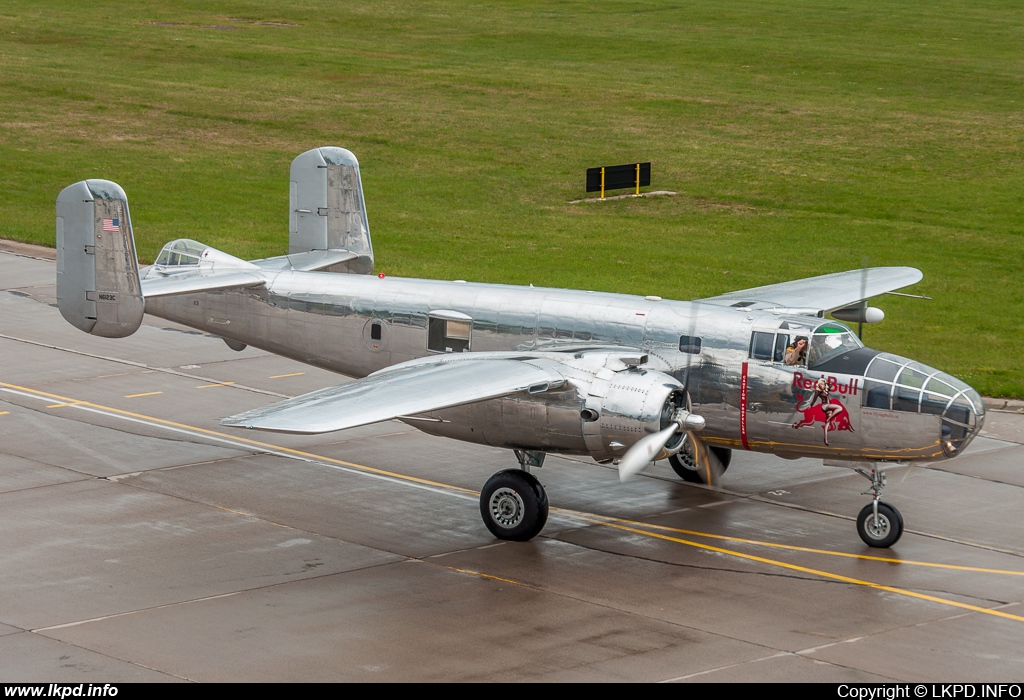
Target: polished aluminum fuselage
332,321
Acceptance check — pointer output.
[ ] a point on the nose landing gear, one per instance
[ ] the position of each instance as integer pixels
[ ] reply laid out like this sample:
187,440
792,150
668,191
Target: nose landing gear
879,524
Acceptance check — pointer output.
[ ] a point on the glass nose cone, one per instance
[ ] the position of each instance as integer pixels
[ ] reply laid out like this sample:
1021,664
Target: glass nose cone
896,383
962,416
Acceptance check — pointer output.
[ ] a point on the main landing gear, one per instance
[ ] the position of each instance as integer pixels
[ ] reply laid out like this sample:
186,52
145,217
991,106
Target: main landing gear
685,466
513,502
879,524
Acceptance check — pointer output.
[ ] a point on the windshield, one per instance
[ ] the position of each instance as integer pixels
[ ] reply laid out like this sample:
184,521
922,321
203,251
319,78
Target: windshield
829,340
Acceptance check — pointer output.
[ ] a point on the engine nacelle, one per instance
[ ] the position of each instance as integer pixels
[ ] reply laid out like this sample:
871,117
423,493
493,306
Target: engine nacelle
598,413
622,409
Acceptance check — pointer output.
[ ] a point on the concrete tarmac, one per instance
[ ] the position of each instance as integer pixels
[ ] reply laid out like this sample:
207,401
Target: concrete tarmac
142,541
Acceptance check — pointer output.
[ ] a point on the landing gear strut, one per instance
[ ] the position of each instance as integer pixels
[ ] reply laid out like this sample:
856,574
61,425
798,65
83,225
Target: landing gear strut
513,502
879,524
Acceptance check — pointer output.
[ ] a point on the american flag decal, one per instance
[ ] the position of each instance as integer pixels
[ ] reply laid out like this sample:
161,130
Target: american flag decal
110,226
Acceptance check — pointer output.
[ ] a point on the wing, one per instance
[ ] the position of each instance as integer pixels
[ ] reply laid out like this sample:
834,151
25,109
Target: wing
827,292
403,390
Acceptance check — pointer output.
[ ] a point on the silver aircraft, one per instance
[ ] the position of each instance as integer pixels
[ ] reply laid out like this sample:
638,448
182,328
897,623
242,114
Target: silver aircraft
623,379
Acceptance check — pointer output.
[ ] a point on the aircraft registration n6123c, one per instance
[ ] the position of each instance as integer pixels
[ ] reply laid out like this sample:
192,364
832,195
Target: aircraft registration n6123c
623,379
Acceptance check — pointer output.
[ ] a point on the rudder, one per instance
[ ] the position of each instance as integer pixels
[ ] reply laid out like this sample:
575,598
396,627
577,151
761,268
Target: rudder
327,209
98,289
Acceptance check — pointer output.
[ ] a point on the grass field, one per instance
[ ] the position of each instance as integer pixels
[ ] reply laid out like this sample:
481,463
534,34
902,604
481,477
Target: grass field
802,136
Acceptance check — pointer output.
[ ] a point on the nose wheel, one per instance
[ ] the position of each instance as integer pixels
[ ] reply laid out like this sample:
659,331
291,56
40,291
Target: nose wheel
879,523
881,529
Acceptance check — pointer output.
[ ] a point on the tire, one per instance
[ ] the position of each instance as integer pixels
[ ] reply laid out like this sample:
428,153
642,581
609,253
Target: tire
888,530
514,505
686,469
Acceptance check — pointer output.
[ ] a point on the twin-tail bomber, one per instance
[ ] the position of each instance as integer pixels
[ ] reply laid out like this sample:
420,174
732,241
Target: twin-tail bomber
623,379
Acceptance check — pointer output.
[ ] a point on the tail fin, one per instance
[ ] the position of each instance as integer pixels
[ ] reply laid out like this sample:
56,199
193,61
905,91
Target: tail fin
98,286
327,208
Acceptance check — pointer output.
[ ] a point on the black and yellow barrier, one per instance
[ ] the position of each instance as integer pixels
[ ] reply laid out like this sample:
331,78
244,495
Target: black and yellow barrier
618,177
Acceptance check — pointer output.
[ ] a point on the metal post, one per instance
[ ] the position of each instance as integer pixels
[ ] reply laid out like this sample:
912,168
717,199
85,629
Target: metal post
638,179
602,182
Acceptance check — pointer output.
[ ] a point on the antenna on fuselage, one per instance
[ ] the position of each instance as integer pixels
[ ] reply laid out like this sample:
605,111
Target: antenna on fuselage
863,292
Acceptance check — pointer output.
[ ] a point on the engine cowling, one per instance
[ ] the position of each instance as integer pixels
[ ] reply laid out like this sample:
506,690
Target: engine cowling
599,413
635,403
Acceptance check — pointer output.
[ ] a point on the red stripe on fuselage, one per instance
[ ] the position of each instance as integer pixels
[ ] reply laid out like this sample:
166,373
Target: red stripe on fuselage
743,408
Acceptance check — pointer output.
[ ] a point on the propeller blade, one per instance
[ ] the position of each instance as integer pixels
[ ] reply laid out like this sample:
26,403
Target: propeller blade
644,451
708,463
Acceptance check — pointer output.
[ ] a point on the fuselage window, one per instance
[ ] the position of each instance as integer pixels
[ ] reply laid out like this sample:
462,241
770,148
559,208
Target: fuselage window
448,335
689,344
761,345
375,331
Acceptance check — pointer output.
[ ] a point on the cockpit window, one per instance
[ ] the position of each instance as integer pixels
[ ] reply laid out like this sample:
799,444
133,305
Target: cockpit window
829,340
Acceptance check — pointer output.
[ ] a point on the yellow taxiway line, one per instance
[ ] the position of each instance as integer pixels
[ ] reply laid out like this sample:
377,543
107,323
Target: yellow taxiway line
817,572
282,376
810,550
633,527
148,393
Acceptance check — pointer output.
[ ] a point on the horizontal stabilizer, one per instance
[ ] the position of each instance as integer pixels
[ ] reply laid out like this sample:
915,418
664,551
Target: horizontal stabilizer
185,266
310,261
405,391
197,281
826,292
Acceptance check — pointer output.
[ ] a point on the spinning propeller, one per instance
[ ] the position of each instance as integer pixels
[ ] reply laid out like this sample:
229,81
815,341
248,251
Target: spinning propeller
648,448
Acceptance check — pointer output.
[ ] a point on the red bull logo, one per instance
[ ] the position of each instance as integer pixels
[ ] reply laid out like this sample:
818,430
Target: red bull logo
834,385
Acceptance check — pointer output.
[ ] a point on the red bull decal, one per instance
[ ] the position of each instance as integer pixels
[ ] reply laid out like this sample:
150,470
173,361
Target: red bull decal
816,414
743,407
816,405
834,385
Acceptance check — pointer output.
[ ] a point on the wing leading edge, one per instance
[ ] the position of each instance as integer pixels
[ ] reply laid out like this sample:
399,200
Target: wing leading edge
826,292
405,390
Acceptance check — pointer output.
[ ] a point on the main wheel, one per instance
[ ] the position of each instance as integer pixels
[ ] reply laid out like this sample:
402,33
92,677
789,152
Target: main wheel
514,505
685,467
884,533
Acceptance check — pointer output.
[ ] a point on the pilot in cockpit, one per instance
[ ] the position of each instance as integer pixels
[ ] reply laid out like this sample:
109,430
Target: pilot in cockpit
819,347
797,352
